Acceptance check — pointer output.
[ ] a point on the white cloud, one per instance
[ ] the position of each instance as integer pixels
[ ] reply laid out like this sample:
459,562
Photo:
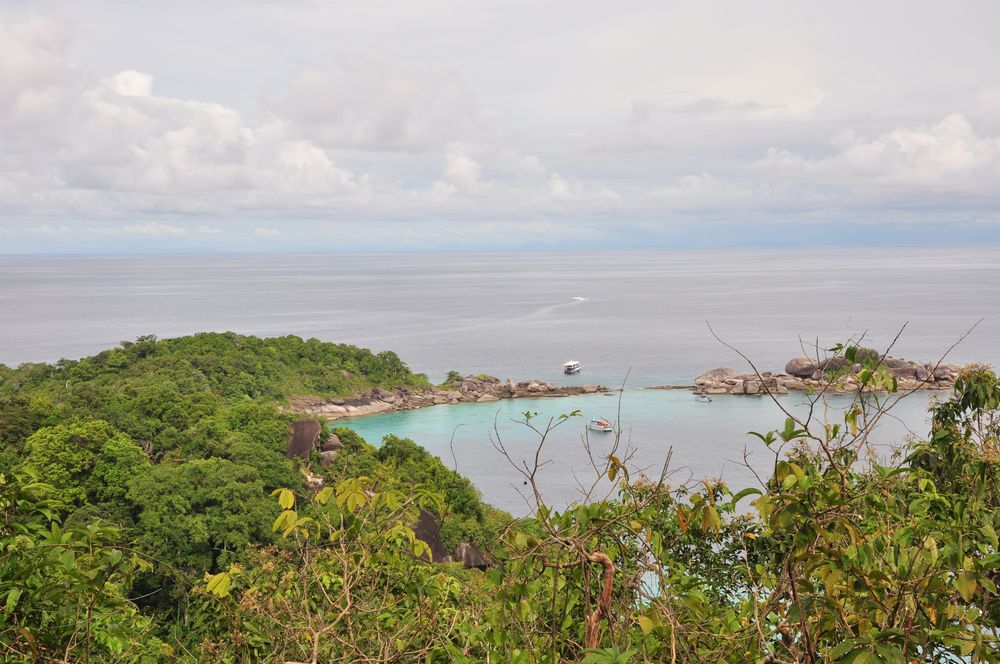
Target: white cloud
113,146
484,116
461,172
266,232
154,229
567,190
947,156
51,231
372,103
35,80
130,84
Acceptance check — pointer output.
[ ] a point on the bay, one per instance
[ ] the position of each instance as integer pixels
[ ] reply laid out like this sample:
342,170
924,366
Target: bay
643,316
705,441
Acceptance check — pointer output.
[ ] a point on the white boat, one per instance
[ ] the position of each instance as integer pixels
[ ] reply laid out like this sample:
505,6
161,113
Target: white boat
600,424
701,396
571,367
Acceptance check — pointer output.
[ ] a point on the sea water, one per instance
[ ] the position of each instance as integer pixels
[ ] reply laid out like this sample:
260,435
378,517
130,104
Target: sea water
704,441
637,319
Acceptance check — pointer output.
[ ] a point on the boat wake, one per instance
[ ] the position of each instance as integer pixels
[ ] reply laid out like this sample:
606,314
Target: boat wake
581,299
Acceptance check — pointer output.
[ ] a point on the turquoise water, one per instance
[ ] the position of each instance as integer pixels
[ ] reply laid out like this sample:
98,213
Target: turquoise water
521,315
709,440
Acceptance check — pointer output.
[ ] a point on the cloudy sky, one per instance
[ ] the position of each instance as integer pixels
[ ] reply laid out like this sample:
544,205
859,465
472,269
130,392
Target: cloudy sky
369,124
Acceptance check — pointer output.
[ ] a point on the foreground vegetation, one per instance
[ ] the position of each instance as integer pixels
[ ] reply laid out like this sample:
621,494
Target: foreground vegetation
147,513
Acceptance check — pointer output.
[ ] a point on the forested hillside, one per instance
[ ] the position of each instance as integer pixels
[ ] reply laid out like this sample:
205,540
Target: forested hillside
148,513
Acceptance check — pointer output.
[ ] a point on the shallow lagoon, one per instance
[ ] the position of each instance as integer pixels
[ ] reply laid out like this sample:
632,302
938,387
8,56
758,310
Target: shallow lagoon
709,440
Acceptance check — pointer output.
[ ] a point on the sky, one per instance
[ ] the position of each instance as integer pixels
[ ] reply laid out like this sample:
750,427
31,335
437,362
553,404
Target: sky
267,125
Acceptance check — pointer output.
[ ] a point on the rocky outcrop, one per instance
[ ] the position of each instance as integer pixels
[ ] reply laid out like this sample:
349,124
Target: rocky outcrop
314,483
471,389
302,437
470,556
801,367
835,374
332,443
714,376
428,530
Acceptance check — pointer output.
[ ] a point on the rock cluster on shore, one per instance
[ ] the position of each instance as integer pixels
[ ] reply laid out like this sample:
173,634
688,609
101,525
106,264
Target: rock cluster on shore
468,389
830,375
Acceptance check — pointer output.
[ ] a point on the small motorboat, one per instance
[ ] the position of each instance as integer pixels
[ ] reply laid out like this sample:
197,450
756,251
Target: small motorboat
701,396
571,367
600,424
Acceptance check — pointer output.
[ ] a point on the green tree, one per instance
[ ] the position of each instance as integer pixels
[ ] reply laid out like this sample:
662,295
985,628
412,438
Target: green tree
199,515
90,461
63,591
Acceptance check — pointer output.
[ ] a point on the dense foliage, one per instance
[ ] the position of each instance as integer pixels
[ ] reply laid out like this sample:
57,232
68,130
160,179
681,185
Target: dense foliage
200,550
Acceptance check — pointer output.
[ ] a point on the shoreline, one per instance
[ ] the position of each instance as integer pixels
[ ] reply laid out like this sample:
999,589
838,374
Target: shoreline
838,375
834,376
470,389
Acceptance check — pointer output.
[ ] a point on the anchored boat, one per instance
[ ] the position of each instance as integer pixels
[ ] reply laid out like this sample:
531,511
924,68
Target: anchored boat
599,424
572,367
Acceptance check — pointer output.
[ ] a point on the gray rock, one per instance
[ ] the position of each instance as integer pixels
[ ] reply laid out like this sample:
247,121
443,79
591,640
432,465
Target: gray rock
488,397
714,376
332,443
902,368
470,556
792,384
327,457
800,367
745,387
428,530
829,364
314,482
944,371
302,437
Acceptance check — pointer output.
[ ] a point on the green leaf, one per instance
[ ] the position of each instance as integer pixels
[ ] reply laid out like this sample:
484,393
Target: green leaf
842,649
285,522
746,492
218,584
991,535
646,625
865,657
520,540
12,597
323,497
285,498
966,585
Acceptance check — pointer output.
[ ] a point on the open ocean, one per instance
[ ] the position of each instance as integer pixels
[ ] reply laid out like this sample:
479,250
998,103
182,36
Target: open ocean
521,316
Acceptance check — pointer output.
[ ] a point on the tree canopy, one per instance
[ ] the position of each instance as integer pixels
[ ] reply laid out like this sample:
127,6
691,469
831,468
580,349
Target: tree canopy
147,513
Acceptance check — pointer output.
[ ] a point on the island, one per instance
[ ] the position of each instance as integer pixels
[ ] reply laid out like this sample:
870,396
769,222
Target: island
835,374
